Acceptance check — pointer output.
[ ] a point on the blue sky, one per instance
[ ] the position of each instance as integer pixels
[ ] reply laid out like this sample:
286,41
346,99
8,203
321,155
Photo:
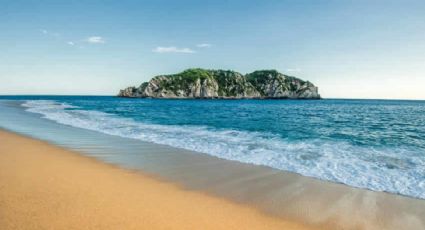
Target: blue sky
350,49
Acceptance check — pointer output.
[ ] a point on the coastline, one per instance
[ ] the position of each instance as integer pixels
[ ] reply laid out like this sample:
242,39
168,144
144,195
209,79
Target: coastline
283,195
46,187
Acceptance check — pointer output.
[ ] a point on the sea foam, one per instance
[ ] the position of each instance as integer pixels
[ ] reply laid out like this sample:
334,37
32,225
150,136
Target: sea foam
395,170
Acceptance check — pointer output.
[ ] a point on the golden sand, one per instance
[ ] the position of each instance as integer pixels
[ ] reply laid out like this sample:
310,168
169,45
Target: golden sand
45,187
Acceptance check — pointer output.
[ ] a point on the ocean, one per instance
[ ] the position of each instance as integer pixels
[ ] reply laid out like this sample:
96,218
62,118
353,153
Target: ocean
372,144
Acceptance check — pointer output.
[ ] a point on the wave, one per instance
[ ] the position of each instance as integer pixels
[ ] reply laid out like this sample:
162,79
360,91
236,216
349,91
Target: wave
400,170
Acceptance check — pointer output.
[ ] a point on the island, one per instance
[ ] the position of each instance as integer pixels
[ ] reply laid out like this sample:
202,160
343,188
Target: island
224,84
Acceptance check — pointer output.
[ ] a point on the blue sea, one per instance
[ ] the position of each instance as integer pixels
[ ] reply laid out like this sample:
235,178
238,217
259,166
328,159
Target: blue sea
373,144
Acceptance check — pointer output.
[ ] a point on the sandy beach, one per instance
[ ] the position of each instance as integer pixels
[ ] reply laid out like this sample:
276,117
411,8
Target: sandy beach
46,187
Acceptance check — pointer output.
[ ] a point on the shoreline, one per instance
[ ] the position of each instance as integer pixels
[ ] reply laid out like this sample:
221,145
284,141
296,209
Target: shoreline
47,187
282,195
275,193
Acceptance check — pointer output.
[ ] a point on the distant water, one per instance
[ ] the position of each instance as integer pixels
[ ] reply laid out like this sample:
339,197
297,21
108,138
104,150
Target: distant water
373,144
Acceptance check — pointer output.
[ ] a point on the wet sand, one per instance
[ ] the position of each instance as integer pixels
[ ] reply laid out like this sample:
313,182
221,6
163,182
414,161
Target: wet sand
46,187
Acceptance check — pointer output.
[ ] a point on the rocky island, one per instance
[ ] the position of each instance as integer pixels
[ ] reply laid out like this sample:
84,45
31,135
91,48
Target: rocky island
226,84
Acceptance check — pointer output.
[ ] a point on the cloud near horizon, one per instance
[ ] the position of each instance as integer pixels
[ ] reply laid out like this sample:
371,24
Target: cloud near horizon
172,49
95,40
293,70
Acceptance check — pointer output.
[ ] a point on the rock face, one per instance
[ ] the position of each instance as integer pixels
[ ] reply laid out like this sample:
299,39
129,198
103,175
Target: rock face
200,83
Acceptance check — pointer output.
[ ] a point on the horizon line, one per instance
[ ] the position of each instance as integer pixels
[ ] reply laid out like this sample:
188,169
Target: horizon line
110,95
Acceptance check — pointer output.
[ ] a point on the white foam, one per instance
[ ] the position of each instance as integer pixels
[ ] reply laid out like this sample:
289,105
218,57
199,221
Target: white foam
400,171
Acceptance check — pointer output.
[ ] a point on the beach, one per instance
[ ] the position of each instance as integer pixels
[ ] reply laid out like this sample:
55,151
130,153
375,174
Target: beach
47,187
55,171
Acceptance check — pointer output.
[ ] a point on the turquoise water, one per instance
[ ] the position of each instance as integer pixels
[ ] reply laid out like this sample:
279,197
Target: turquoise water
373,144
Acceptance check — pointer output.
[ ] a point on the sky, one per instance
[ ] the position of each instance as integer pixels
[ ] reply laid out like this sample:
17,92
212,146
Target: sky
349,49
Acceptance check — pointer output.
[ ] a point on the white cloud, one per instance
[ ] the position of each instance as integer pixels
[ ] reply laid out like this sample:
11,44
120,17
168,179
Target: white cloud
49,33
95,40
294,70
203,45
71,43
172,49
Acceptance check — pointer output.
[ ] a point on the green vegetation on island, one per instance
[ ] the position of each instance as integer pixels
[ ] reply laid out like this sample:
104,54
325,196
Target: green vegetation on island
202,83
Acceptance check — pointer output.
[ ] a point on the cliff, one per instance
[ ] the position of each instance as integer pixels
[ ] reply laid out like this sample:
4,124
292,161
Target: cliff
200,83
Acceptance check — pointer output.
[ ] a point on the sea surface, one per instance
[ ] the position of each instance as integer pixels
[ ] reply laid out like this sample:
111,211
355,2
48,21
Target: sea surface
373,144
